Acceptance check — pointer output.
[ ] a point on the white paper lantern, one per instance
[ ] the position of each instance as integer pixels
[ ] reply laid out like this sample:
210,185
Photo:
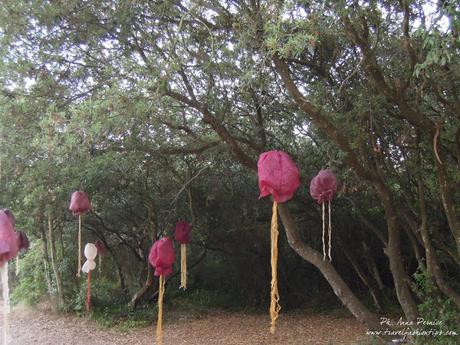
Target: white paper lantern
89,265
90,251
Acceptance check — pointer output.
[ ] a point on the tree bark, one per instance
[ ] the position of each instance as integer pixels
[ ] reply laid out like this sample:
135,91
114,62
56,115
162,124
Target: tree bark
393,251
365,278
340,288
149,280
448,203
137,297
372,267
432,265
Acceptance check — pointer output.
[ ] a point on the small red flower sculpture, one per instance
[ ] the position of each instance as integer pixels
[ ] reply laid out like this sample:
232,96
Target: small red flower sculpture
79,203
323,186
162,256
182,232
101,250
278,175
8,238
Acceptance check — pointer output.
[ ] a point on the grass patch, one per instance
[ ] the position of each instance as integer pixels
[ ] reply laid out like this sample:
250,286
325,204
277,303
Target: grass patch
122,318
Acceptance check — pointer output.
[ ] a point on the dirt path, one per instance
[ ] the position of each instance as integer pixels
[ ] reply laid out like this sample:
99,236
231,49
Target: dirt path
47,328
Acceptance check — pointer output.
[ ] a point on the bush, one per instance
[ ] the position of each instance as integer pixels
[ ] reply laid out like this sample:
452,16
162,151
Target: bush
439,310
29,286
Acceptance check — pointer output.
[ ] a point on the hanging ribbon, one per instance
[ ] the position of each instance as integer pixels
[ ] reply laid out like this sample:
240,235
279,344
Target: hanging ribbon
322,188
183,266
274,295
330,231
79,246
324,231
161,292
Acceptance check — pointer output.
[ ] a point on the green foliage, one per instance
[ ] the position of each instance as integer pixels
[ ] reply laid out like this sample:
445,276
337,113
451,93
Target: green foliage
436,309
105,292
30,286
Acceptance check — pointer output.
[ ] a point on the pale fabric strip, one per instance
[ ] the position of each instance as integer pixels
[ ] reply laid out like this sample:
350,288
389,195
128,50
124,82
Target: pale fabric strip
324,231
183,266
274,295
330,231
79,246
161,291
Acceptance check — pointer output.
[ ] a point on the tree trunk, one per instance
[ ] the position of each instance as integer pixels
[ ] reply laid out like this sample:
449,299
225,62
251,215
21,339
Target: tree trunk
144,289
393,251
366,279
372,267
149,280
57,274
432,265
45,255
61,242
447,202
340,288
121,275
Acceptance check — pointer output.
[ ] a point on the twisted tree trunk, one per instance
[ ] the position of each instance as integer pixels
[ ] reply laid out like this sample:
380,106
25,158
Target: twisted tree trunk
334,279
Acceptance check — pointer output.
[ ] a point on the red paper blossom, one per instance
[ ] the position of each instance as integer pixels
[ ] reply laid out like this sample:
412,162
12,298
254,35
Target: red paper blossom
323,186
278,175
79,203
101,250
162,256
182,233
8,239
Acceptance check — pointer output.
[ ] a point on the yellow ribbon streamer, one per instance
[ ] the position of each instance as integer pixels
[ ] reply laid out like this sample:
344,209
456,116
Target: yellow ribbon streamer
330,232
274,295
161,292
183,266
79,246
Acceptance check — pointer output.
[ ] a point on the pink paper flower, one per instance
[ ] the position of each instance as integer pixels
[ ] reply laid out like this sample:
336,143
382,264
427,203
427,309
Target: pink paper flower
323,186
182,232
162,256
278,175
79,203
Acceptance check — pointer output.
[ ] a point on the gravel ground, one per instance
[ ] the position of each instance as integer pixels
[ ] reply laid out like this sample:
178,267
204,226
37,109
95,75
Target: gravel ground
29,327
